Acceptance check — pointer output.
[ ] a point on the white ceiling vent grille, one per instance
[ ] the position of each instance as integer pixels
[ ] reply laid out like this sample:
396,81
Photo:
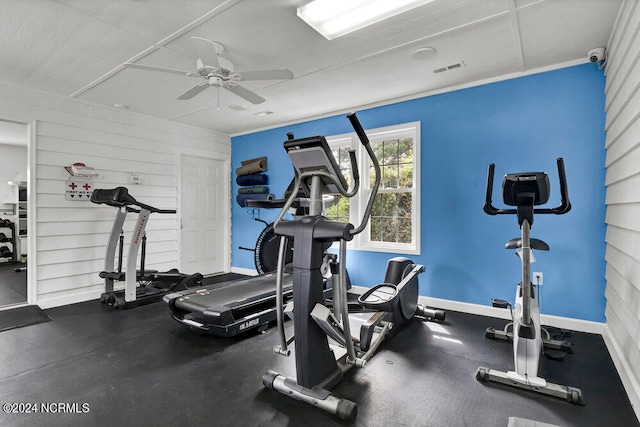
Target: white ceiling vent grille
458,64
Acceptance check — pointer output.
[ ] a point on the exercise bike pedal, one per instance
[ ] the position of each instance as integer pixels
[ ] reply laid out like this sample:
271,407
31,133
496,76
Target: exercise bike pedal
566,346
500,303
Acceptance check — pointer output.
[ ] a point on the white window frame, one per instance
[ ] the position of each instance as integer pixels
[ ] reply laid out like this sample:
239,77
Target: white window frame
358,203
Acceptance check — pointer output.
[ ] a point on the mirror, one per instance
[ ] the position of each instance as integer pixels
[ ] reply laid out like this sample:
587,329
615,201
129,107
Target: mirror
14,139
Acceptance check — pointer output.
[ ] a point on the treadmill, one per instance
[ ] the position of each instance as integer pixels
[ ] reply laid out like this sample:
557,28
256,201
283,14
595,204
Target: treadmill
143,286
231,308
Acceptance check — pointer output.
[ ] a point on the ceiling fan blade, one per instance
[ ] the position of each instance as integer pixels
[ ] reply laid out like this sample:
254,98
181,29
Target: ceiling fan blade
276,74
206,50
162,70
193,91
244,93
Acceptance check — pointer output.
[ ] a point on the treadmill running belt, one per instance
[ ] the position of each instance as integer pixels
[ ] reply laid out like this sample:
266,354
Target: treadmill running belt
235,294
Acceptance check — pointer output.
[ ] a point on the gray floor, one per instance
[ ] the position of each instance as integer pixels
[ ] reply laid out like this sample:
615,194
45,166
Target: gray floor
139,367
13,285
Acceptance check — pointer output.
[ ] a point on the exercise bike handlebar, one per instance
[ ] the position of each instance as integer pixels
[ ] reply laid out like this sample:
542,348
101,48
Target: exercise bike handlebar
563,208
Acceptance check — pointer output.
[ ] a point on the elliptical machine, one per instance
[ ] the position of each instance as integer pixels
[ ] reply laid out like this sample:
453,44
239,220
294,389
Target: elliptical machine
383,307
524,191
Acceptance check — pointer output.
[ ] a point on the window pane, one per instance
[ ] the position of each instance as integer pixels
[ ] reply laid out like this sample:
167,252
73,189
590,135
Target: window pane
390,152
404,205
389,229
388,205
390,176
376,234
405,176
405,150
404,230
391,218
396,163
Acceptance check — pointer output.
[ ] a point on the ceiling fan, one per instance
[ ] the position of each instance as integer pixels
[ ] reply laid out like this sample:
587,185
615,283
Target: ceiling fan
218,72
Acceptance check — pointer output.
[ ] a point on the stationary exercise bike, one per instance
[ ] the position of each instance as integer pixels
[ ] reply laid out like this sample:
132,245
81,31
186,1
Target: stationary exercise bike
319,330
524,191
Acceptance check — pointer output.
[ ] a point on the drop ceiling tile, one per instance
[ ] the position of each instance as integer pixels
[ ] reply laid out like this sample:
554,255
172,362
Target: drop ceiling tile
560,31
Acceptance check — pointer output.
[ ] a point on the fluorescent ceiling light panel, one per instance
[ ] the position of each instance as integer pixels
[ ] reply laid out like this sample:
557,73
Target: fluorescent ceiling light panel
335,18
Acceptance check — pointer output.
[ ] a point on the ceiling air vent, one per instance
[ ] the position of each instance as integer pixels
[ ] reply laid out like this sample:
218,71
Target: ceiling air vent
458,64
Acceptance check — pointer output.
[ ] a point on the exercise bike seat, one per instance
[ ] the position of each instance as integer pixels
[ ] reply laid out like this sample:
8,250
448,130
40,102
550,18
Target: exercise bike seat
536,244
380,298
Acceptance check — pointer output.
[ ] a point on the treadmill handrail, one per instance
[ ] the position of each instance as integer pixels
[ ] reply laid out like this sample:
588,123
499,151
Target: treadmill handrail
120,197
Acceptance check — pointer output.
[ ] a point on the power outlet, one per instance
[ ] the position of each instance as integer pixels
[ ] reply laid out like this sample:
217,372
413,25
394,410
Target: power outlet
538,278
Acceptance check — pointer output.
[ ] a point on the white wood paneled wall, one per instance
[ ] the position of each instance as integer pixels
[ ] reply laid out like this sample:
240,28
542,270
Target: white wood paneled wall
71,236
623,197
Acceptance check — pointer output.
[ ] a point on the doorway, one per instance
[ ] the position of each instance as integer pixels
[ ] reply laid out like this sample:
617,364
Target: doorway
14,143
204,243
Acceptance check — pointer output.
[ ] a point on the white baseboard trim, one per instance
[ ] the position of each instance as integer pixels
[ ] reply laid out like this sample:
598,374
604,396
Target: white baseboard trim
43,302
247,271
501,313
623,365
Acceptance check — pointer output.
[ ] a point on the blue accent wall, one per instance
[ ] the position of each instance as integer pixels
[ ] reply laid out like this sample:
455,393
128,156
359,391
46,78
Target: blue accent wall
522,124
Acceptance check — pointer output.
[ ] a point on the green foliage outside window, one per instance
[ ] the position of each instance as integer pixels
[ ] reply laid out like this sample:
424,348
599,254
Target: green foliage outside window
391,216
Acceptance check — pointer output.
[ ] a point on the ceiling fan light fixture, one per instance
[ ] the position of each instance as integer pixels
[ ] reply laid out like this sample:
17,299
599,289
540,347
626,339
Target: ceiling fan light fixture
219,73
237,107
335,18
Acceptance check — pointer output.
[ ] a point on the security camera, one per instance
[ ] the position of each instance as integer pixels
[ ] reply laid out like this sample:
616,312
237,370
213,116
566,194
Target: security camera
597,54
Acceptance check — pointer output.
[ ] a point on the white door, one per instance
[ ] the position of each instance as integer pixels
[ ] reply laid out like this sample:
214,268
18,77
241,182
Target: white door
202,206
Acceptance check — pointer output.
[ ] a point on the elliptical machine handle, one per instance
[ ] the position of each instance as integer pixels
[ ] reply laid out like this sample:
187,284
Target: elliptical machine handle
354,165
362,136
355,123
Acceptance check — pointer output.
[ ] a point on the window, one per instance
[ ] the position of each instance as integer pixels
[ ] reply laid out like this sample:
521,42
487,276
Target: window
394,223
